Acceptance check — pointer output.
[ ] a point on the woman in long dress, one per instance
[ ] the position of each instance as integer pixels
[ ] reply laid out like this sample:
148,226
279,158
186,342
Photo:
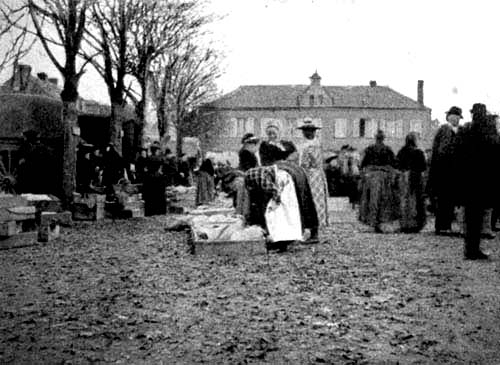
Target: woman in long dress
205,187
379,185
311,161
411,163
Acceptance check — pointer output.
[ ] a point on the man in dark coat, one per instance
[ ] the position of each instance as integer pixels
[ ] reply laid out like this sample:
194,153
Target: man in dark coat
477,143
442,179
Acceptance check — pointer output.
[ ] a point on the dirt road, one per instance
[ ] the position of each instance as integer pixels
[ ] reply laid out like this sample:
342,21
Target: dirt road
128,292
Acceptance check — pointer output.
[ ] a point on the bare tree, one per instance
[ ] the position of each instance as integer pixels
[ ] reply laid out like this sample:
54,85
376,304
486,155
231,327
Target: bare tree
59,25
14,36
186,81
108,36
159,28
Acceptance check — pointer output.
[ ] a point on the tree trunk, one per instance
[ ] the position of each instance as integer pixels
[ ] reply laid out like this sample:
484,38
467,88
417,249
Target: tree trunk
180,132
116,125
70,124
140,111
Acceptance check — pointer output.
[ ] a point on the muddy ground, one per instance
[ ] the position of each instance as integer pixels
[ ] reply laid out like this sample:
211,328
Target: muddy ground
127,292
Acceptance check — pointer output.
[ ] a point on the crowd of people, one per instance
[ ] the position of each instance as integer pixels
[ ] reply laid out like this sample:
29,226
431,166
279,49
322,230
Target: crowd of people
100,171
283,188
457,176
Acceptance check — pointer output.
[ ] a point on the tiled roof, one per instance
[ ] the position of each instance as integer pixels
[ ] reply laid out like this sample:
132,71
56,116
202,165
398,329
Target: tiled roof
35,86
19,112
285,96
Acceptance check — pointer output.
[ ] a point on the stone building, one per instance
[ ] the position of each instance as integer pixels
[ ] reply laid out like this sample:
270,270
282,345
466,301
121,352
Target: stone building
348,114
30,101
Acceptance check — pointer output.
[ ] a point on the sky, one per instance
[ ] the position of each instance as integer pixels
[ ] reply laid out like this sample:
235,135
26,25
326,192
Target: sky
451,45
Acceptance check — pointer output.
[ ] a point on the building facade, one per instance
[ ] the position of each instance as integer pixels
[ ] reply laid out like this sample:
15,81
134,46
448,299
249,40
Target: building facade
347,114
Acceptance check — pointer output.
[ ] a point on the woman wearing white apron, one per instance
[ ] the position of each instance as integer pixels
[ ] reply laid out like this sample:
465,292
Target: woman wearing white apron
283,215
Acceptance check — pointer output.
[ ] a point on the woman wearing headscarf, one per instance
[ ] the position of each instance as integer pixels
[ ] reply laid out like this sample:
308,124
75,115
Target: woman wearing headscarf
311,160
271,149
411,162
379,193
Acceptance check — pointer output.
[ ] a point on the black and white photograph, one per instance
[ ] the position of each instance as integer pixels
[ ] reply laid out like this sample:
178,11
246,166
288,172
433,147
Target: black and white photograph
249,182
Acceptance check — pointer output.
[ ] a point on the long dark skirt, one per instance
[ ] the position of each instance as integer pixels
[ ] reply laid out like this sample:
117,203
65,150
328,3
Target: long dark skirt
379,201
154,195
412,201
205,188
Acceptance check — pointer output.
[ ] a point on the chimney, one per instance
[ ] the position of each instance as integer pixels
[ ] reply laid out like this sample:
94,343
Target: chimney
420,92
373,83
53,80
42,76
21,77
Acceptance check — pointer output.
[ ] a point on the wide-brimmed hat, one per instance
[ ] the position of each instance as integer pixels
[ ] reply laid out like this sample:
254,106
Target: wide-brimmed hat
308,124
455,110
249,138
478,108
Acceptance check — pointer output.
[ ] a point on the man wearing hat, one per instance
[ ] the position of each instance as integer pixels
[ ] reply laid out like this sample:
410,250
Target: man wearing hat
477,145
311,161
247,154
443,172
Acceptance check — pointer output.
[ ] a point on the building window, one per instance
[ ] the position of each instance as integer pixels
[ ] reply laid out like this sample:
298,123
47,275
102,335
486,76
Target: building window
416,126
321,99
371,127
241,126
231,129
311,100
340,128
362,127
249,125
391,128
399,129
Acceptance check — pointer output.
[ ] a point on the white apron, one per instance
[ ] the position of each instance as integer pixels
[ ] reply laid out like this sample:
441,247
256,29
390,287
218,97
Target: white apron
283,219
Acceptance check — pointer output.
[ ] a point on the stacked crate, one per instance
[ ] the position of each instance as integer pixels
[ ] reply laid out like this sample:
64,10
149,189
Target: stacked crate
23,218
180,199
88,206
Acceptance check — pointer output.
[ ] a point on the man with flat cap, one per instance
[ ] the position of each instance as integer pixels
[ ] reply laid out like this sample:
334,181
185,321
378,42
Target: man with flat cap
443,172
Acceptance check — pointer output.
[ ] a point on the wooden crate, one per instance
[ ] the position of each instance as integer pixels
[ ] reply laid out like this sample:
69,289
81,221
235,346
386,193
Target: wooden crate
233,248
23,239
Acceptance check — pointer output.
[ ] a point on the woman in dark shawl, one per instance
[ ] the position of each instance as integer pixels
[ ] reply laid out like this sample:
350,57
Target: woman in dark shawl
379,197
205,185
411,163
